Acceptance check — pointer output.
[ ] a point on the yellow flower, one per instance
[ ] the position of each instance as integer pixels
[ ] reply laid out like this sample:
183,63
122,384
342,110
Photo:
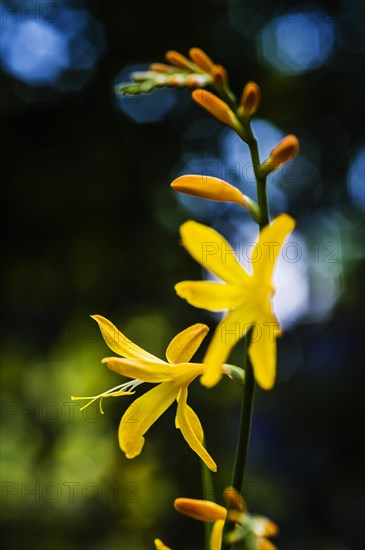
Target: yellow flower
247,297
173,378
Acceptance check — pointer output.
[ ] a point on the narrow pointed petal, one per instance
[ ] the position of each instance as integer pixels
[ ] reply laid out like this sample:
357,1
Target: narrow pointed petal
210,295
182,348
262,353
189,424
217,534
212,251
120,344
143,370
269,245
159,545
140,416
229,331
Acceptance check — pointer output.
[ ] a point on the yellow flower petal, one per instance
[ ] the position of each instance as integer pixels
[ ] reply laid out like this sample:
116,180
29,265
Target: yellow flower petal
120,344
208,187
262,353
217,534
182,348
140,416
160,545
268,247
209,295
136,368
229,331
189,424
202,510
212,251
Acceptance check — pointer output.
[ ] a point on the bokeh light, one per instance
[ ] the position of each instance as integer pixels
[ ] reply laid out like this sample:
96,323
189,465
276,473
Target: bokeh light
356,179
297,41
236,166
42,42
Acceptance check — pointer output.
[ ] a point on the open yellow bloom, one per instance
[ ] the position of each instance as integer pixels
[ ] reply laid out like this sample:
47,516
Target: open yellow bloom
247,297
173,378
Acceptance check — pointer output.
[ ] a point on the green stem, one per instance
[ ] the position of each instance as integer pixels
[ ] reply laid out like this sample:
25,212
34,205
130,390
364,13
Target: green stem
244,431
245,420
260,179
249,387
208,494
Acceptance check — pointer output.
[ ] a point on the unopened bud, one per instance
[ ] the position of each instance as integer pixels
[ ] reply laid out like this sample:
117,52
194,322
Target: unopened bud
285,151
250,99
201,59
179,60
162,68
234,373
208,187
219,75
203,510
234,499
217,108
265,544
215,189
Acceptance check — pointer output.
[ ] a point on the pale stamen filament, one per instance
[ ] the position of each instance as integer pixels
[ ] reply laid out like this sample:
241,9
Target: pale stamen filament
123,389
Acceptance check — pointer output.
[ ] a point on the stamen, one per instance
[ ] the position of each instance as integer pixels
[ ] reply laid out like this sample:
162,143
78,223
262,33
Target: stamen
123,389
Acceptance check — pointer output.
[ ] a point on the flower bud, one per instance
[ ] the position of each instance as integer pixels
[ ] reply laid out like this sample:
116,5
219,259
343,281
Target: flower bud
219,75
234,499
204,510
208,187
285,151
250,99
201,59
234,373
215,189
217,108
162,68
179,60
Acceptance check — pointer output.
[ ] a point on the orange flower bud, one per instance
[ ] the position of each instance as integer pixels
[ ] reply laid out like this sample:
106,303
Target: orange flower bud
285,151
208,187
201,59
250,99
217,108
265,544
204,510
162,68
219,75
179,60
234,499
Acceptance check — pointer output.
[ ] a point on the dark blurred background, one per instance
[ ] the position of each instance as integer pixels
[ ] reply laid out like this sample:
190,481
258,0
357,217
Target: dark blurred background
91,226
